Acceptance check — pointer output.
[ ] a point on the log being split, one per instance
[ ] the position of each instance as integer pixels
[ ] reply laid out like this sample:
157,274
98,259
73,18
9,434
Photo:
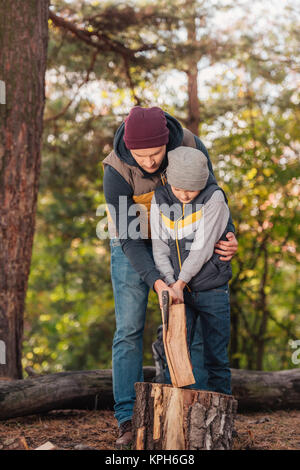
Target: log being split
169,418
175,343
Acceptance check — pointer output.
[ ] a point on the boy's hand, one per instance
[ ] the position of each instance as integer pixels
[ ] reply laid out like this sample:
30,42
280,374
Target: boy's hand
178,287
159,287
227,249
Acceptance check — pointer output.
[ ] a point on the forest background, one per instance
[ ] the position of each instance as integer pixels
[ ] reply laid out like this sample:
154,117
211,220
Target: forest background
228,70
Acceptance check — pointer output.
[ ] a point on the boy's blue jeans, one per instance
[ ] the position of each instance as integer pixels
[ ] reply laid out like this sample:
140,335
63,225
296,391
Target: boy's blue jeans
212,308
131,298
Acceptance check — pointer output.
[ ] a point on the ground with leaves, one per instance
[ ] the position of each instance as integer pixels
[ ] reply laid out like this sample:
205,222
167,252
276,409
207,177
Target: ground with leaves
79,430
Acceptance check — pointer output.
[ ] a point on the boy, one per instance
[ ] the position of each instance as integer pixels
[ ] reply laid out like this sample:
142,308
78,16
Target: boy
189,214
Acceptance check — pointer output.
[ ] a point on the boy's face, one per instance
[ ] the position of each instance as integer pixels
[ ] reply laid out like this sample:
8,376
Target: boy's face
183,195
149,159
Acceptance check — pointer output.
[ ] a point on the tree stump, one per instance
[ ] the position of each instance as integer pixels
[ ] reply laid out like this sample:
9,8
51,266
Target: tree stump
169,418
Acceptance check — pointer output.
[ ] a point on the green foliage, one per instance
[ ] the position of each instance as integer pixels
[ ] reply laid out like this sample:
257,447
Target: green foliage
250,122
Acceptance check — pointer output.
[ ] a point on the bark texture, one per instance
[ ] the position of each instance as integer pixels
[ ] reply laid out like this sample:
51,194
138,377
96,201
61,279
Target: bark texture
23,46
169,418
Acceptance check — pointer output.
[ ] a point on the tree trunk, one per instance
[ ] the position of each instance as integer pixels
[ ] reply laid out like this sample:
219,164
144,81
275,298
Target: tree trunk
23,46
93,390
193,119
168,418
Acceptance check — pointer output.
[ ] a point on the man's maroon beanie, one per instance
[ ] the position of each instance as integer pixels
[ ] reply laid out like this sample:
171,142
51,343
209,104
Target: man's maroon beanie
145,128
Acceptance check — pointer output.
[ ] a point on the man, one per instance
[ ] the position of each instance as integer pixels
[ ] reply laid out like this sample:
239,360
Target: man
132,171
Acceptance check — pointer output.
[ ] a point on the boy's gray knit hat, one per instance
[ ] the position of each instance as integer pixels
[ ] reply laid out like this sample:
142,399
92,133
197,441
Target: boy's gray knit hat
187,169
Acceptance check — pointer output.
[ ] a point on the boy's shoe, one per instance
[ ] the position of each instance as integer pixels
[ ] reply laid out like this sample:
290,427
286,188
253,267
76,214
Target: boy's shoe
125,435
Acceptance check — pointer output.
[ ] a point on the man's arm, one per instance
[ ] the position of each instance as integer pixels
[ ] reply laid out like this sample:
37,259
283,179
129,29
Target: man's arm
161,249
114,186
212,224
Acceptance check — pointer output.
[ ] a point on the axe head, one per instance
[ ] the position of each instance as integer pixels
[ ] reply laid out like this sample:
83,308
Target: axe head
165,307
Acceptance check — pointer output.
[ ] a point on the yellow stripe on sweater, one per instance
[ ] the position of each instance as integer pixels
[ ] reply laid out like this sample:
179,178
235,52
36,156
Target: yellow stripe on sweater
190,219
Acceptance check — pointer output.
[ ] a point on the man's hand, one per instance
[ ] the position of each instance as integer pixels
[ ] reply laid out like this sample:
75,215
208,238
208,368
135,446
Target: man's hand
178,287
159,286
227,249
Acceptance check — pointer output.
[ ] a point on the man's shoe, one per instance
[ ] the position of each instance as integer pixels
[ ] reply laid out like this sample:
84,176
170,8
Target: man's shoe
125,435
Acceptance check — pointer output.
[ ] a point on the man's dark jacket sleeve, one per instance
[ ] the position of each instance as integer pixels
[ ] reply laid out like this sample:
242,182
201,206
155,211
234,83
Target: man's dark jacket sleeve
115,185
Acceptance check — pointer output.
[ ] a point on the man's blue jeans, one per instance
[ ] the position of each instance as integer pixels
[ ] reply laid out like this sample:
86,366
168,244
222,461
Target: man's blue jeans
131,298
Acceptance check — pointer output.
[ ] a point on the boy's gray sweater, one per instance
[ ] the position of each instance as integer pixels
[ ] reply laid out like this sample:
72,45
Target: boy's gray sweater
183,248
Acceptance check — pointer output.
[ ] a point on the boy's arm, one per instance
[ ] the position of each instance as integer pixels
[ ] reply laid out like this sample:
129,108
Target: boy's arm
200,146
211,227
160,247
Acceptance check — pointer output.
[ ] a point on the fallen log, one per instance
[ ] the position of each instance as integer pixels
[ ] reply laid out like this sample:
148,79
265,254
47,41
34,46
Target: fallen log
259,390
90,389
169,418
254,390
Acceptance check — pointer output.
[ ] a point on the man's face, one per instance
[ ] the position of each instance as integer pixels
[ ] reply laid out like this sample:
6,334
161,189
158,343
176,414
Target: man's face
149,159
183,195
